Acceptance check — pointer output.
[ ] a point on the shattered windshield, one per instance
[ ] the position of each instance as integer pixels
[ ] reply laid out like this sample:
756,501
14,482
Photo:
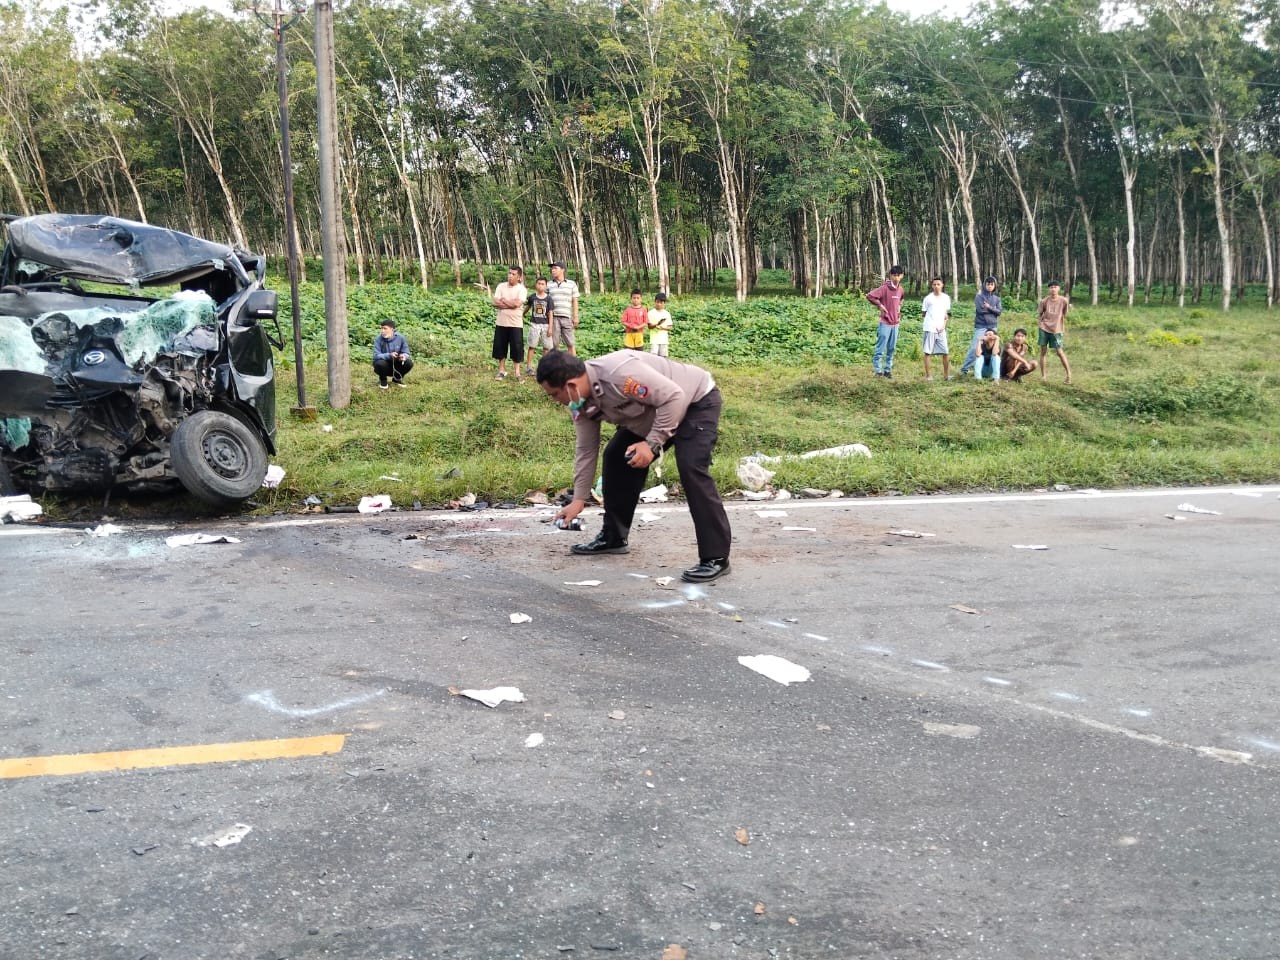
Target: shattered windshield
183,323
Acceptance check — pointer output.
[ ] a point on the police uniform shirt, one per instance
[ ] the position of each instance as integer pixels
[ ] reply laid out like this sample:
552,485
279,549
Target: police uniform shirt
641,392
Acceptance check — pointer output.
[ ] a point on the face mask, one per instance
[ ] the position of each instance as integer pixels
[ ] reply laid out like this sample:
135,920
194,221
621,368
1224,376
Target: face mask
575,407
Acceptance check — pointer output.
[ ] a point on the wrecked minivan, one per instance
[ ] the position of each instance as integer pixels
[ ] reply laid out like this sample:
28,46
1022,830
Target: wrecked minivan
135,358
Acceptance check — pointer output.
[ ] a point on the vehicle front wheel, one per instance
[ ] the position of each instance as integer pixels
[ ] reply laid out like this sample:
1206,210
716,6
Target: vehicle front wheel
218,458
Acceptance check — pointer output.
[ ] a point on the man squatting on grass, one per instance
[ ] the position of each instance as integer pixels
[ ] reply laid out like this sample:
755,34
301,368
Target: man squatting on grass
654,402
390,355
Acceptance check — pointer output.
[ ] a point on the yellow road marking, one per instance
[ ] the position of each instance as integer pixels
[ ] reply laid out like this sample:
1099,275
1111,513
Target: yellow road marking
69,763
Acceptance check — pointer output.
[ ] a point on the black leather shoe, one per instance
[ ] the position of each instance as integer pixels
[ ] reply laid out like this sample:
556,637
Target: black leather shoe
601,544
706,570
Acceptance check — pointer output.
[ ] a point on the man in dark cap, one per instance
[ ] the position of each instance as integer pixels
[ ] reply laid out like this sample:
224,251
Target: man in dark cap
564,308
654,402
986,316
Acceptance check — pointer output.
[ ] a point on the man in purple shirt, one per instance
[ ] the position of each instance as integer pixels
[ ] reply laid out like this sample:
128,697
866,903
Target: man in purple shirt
888,297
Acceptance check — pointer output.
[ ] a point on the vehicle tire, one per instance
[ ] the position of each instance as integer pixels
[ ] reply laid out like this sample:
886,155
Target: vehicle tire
218,458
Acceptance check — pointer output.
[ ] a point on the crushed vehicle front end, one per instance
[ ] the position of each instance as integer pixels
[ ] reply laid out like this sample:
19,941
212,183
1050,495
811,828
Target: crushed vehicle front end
133,357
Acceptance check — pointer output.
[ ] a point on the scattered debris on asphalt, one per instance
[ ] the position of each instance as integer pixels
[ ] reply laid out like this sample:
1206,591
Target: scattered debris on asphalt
1188,508
224,838
491,697
914,534
1030,546
656,494
195,539
776,668
771,513
374,504
581,583
963,609
103,530
521,618
742,836
617,715
17,508
534,740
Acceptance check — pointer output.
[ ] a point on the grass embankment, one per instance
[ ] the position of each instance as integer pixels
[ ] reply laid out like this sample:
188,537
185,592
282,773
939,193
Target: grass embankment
1160,396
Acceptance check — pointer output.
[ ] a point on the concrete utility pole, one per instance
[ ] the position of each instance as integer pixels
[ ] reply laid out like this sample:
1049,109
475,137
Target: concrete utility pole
332,235
279,25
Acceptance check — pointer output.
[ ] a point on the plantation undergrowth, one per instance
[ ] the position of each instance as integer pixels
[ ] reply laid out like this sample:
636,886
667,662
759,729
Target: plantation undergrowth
1160,396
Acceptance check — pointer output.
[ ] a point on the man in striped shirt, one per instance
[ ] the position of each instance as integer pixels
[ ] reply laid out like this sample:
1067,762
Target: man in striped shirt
564,308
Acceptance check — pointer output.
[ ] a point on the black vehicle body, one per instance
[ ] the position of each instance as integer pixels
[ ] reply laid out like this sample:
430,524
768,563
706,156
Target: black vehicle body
133,357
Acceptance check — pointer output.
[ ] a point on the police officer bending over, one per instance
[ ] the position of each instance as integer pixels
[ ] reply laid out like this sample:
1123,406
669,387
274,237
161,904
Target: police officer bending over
654,402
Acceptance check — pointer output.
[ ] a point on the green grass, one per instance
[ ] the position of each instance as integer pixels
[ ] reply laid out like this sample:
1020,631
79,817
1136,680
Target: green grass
1160,396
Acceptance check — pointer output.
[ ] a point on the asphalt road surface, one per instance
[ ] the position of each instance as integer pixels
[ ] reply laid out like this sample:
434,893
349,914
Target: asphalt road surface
1002,752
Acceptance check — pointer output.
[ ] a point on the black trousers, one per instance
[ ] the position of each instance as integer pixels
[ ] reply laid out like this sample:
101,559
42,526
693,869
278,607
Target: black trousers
391,368
694,441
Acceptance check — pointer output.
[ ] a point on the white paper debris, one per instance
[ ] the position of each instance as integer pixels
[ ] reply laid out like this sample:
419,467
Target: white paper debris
521,618
782,495
915,534
193,539
664,581
580,583
494,696
226,838
802,529
775,668
771,513
274,475
534,740
1030,546
327,428
1175,516
18,508
1188,508
103,530
1245,493
656,494
647,516
756,495
374,504
387,476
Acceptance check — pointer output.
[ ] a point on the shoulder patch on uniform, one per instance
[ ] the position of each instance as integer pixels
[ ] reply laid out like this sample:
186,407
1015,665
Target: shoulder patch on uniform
632,387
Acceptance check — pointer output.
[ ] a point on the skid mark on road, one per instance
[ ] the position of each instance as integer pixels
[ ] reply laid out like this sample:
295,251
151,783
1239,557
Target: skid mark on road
60,765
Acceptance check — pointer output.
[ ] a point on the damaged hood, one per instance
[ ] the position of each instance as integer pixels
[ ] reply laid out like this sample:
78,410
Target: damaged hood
111,250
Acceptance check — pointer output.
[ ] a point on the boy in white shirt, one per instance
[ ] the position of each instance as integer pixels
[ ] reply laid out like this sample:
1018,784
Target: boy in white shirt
659,325
937,311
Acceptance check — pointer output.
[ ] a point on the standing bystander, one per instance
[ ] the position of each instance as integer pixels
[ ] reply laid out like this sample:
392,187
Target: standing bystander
564,305
936,310
537,307
634,321
888,297
659,325
508,331
1053,321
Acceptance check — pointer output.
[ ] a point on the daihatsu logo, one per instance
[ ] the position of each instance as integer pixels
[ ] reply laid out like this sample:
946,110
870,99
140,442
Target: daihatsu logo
94,357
